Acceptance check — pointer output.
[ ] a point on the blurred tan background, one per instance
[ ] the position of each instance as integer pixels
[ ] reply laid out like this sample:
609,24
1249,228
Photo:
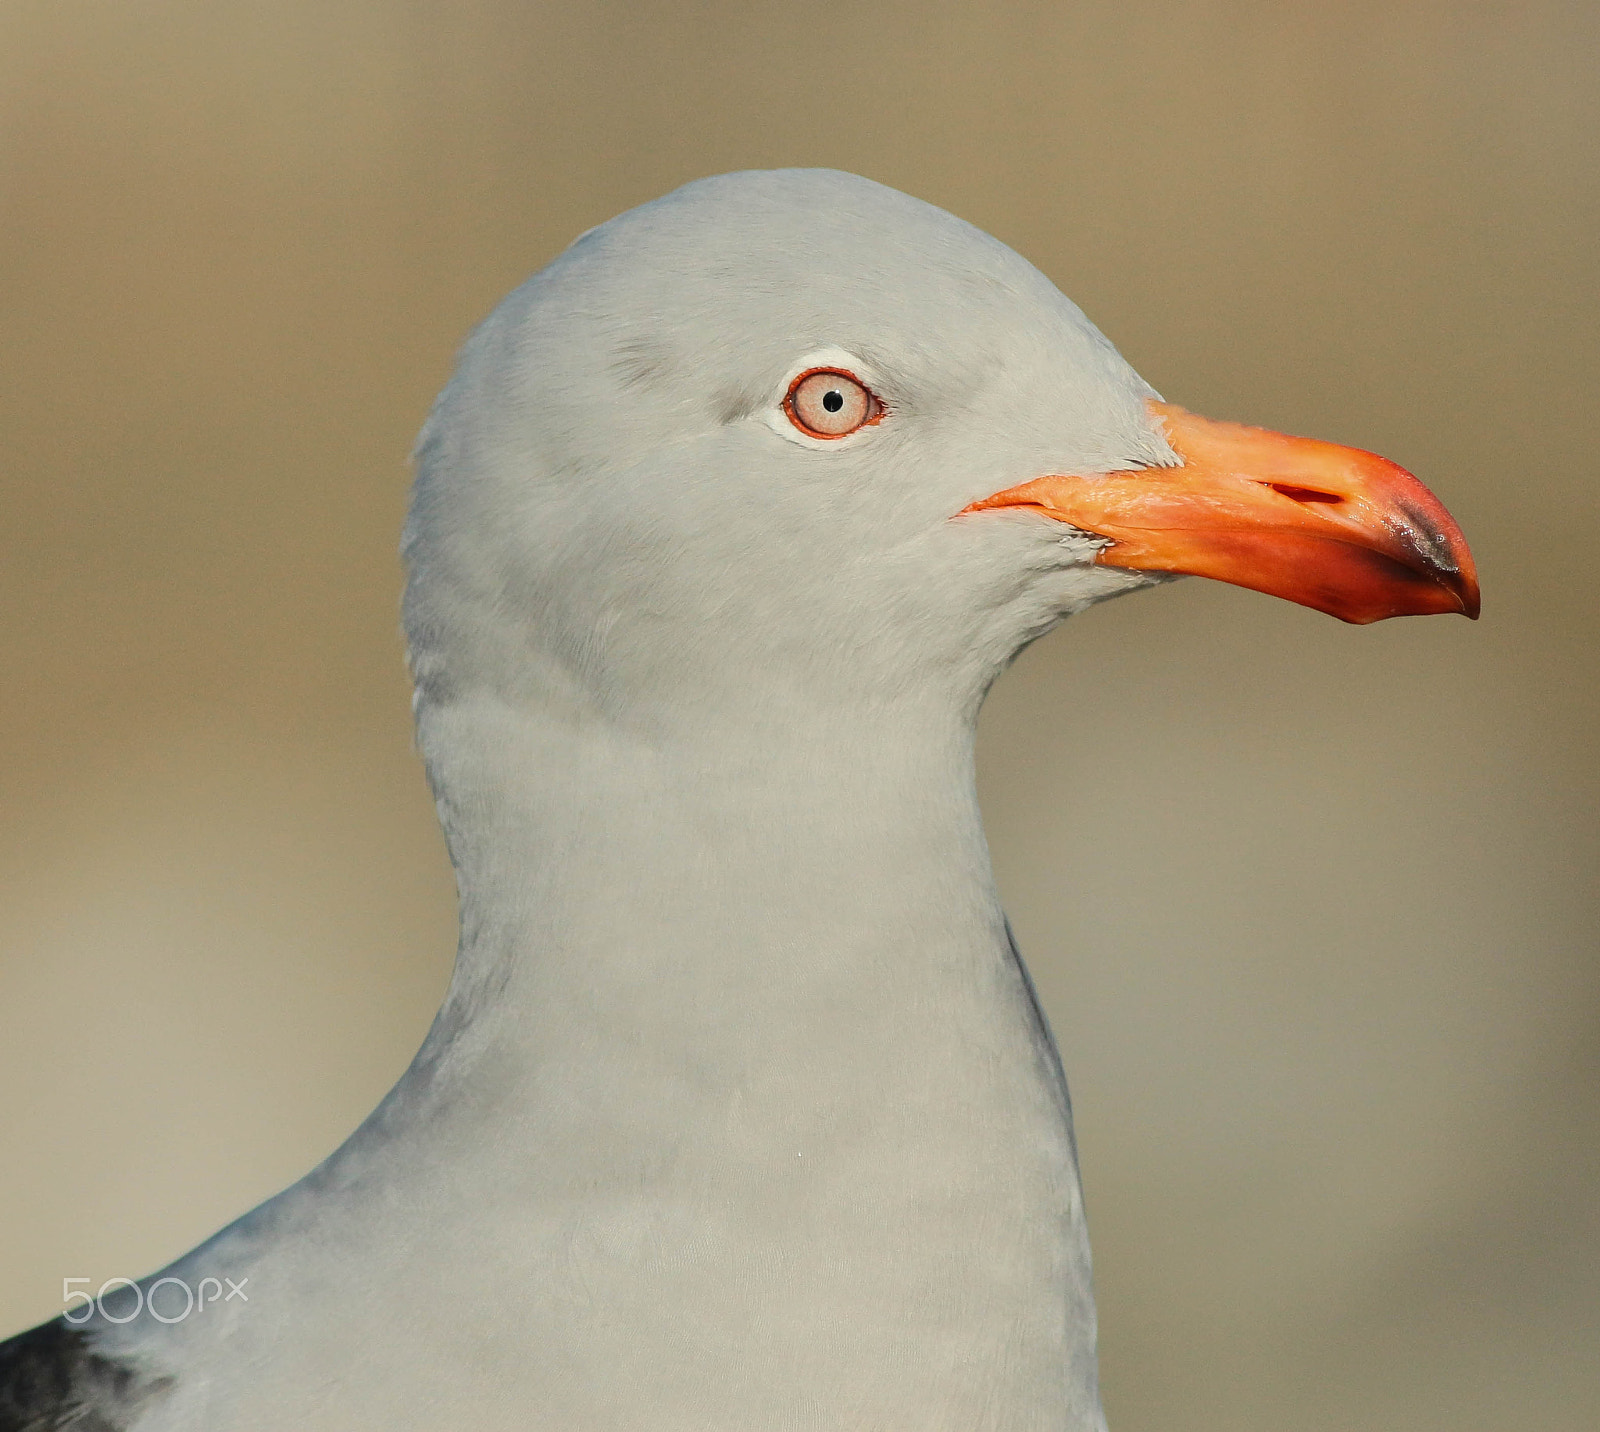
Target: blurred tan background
1313,907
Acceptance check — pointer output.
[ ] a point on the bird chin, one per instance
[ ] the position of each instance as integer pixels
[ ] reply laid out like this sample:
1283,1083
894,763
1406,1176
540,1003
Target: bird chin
1083,584
1065,591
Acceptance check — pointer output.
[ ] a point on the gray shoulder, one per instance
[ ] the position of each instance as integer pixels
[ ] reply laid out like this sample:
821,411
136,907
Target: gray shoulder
52,1380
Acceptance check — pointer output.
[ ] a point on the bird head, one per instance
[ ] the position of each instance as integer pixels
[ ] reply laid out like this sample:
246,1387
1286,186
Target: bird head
792,438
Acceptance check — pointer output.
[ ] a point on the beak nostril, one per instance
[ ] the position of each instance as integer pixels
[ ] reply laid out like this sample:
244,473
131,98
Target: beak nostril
1304,494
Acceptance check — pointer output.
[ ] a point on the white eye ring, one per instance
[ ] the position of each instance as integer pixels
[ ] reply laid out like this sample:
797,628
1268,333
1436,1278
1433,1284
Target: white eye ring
831,403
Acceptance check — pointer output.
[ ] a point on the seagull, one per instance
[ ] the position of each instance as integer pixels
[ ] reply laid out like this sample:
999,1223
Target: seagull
741,1111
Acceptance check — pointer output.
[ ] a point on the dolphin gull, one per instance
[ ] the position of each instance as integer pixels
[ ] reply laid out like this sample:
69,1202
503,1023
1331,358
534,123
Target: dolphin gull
740,1112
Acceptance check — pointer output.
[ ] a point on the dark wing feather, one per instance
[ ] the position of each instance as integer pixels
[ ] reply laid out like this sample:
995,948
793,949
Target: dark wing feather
52,1380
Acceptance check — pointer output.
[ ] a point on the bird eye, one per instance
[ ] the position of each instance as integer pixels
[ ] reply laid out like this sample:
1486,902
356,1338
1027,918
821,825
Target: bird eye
826,403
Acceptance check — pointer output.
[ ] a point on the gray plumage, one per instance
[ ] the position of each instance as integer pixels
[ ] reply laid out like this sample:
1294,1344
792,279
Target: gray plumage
740,1112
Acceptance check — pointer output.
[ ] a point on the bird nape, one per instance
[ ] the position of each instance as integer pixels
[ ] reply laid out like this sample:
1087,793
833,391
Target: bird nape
740,1112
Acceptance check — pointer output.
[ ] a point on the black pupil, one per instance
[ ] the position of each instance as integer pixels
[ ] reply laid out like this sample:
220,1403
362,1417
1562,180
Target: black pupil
833,400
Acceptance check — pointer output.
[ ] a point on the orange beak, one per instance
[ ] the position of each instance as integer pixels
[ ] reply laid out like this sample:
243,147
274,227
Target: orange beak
1335,528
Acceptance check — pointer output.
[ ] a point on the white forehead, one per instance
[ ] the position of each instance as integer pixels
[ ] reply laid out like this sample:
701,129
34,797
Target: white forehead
773,264
812,238
695,309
